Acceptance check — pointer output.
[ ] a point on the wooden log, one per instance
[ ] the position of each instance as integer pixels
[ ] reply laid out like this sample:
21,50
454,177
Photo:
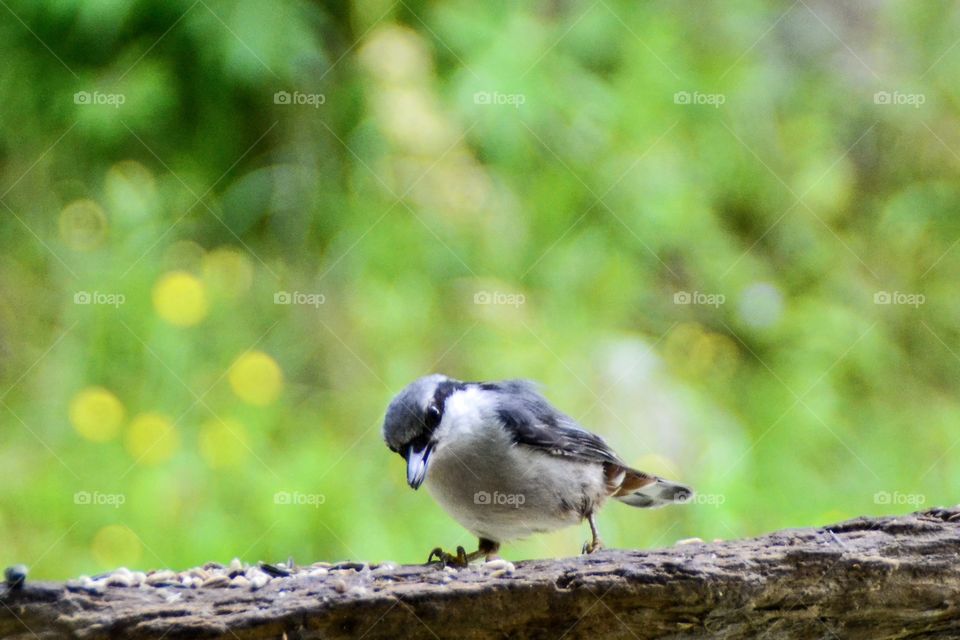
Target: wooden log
870,578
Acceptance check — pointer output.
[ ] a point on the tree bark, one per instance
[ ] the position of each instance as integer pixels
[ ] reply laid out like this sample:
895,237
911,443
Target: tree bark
871,578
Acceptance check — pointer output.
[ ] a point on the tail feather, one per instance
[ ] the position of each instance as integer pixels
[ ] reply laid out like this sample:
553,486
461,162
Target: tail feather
639,489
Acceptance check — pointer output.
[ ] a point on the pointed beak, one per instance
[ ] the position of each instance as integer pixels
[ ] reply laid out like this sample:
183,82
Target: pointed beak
417,465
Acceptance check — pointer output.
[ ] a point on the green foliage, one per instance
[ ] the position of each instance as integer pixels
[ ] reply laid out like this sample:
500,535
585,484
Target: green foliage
725,238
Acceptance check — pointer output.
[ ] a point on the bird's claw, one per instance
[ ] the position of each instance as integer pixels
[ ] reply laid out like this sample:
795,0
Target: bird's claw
592,546
449,560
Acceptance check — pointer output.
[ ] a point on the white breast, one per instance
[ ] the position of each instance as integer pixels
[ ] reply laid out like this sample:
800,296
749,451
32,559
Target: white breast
496,489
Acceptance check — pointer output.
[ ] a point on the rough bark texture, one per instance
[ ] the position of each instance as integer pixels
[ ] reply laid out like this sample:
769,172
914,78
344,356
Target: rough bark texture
893,577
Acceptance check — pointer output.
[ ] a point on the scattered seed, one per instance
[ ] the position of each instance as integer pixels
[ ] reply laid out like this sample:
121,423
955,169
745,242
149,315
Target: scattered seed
120,580
219,580
275,571
15,576
258,582
499,564
161,578
240,581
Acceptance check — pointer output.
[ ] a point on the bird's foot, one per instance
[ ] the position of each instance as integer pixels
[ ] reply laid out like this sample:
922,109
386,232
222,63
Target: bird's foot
592,546
449,560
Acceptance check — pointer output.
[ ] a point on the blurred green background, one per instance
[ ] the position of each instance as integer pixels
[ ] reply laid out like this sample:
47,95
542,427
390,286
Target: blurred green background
723,237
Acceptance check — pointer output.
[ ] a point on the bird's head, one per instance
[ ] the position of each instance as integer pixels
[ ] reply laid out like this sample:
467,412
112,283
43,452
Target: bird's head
413,416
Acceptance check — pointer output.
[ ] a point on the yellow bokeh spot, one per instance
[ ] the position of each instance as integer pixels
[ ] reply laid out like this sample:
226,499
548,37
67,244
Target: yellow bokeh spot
116,545
96,414
693,350
180,299
223,443
256,378
83,225
227,271
151,438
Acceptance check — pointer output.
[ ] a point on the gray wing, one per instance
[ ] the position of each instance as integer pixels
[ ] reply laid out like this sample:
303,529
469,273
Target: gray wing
533,422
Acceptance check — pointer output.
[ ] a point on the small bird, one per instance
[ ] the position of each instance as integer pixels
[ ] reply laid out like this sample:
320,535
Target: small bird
504,463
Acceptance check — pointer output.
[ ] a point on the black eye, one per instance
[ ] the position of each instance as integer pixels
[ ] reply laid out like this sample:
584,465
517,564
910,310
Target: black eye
432,418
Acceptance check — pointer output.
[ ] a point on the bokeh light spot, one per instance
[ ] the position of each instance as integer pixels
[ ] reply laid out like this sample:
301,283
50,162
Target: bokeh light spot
116,545
131,190
96,414
760,305
151,438
83,225
183,255
256,378
180,299
227,271
693,350
223,443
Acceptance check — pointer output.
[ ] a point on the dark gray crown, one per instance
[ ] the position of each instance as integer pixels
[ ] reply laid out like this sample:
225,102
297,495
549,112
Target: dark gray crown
410,417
